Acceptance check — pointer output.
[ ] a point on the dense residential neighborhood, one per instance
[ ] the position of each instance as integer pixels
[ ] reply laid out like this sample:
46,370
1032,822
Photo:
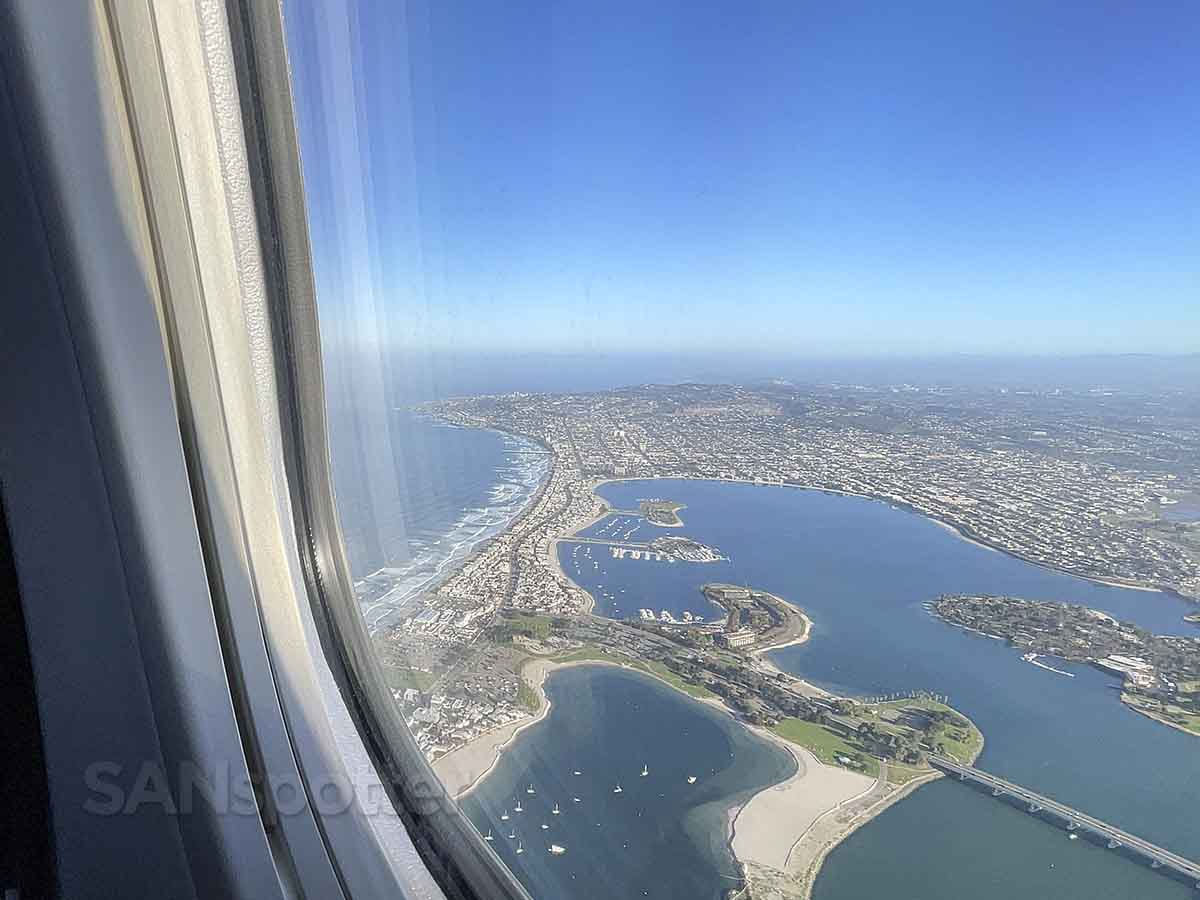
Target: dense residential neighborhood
1076,483
1161,672
1081,483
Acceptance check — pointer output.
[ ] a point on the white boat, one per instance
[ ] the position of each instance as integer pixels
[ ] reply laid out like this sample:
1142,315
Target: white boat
1033,658
511,835
530,790
545,825
520,848
618,789
518,807
576,799
645,771
557,850
556,810
488,836
691,779
504,816
577,772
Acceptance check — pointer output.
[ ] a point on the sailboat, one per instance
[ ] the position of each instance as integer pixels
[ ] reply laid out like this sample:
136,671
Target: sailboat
556,810
645,770
530,790
545,825
488,837
576,799
557,850
520,847
618,789
504,816
518,807
512,834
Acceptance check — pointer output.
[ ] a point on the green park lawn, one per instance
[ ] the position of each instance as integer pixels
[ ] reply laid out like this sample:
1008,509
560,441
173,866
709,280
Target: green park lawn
824,744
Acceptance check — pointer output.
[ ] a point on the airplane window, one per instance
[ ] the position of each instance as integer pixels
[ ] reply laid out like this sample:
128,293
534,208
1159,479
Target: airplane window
767,435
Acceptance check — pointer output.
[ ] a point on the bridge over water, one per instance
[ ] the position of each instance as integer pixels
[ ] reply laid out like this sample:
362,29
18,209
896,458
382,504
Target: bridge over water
1036,804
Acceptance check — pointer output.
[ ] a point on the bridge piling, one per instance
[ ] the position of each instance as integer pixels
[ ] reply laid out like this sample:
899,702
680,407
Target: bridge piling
1159,858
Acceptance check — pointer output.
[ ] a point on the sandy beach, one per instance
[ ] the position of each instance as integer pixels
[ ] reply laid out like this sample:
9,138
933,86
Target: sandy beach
784,832
781,835
800,639
462,769
774,820
552,548
589,603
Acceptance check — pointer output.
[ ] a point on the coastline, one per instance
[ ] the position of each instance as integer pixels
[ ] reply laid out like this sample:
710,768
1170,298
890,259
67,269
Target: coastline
552,549
900,503
813,810
1162,720
805,872
1148,713
801,639
770,825
768,831
464,769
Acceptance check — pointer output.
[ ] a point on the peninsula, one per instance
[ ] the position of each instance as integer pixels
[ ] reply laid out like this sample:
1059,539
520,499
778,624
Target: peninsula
1069,480
1161,673
854,758
1040,482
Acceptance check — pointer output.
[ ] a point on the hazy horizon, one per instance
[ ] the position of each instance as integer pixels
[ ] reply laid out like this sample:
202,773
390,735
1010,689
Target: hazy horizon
425,376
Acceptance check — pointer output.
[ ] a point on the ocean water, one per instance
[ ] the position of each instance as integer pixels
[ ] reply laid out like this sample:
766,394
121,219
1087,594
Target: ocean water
660,837
450,489
862,569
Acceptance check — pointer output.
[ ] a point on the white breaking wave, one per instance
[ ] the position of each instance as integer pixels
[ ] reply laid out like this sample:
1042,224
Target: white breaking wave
435,558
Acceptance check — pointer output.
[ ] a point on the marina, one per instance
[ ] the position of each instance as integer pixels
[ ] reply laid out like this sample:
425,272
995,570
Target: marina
816,552
844,586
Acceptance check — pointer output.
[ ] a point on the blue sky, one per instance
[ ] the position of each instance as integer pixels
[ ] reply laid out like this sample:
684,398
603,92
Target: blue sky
777,178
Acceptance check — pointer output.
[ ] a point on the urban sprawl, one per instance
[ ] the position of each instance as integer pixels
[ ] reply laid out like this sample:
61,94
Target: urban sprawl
1081,482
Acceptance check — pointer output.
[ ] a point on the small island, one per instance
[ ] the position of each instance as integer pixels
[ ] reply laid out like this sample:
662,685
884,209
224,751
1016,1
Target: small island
664,513
685,549
756,618
1161,673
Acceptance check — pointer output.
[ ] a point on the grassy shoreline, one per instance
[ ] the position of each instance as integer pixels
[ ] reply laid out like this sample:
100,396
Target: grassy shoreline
1191,726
